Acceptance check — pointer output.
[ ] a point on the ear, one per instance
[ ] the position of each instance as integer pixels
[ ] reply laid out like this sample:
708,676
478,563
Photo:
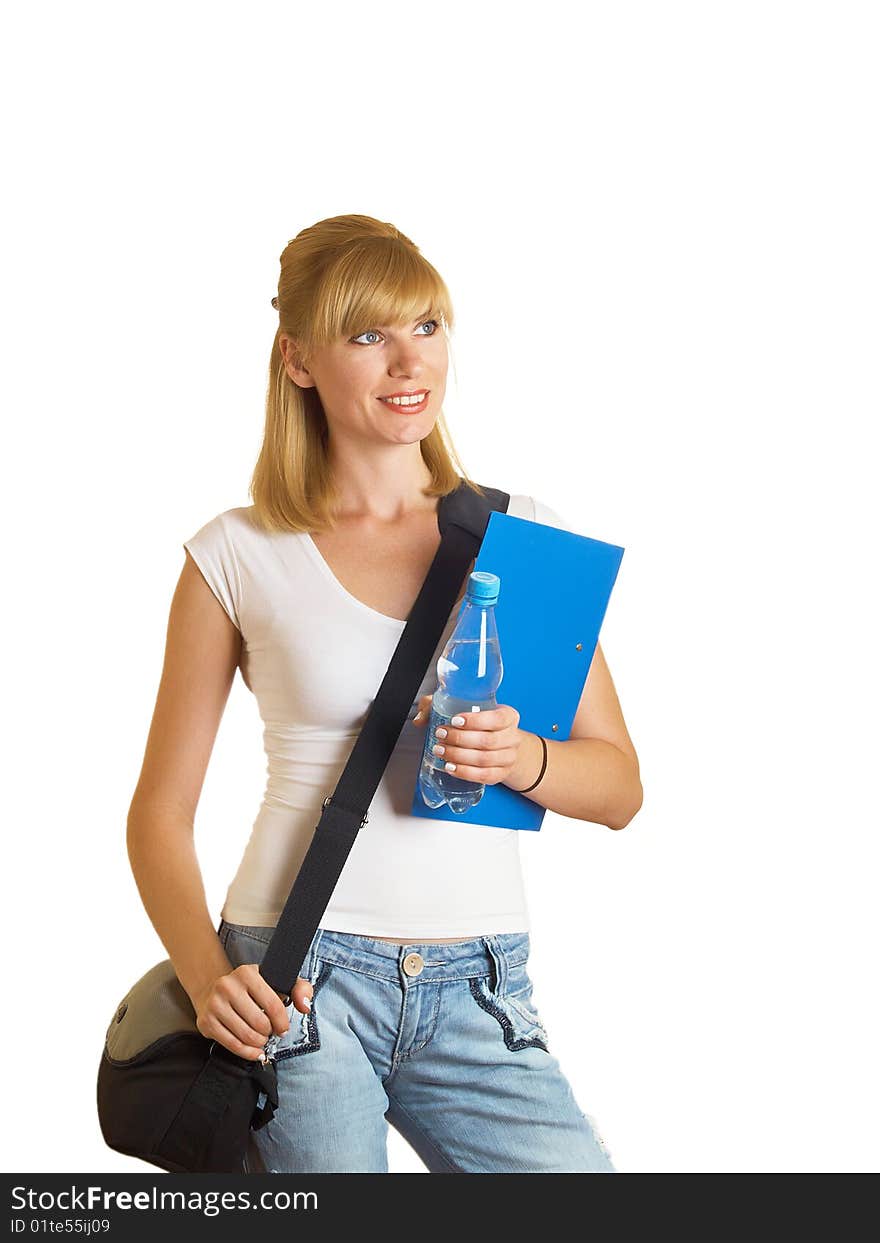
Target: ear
293,362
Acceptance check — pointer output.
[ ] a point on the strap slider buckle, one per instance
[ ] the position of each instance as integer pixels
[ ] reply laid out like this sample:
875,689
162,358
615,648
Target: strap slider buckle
328,799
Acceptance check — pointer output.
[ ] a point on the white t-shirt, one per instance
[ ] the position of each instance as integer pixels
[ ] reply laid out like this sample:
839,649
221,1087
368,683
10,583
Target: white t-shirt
314,657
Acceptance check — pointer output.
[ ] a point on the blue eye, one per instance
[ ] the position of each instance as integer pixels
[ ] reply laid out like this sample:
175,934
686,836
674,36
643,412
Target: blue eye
372,332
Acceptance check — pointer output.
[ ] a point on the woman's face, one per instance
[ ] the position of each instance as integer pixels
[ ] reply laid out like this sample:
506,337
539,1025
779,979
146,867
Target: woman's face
356,376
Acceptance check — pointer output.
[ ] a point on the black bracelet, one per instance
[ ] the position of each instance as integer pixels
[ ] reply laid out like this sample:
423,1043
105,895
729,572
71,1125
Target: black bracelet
543,769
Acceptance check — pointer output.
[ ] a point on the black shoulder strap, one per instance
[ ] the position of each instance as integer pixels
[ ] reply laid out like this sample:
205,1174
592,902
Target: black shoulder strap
471,511
463,516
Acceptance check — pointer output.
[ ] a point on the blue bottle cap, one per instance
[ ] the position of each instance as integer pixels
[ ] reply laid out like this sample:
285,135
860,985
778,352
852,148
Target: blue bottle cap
483,588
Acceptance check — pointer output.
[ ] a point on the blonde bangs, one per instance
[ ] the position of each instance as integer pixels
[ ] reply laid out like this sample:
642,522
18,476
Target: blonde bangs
376,282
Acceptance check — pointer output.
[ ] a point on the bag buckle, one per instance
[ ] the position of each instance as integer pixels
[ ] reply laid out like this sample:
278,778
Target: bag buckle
328,799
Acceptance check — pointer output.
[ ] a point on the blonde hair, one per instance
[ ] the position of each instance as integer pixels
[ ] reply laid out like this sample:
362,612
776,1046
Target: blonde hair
338,276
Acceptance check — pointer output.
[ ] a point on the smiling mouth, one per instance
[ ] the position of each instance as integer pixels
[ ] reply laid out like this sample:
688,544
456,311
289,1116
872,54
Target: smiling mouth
407,400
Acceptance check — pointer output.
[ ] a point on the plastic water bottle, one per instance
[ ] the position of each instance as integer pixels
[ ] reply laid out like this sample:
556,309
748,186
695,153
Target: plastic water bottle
468,674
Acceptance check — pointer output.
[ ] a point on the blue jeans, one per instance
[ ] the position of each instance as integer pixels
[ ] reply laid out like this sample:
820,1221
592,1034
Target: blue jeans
441,1041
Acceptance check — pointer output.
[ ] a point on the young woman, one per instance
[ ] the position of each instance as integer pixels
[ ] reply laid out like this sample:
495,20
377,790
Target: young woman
414,1004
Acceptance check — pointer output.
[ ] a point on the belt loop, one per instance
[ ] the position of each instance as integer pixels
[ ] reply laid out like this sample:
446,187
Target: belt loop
312,955
499,963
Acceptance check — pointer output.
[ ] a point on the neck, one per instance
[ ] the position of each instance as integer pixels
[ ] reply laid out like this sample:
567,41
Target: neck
385,484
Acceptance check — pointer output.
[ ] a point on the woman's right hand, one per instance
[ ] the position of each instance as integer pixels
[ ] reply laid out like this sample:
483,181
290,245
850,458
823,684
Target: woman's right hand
240,1010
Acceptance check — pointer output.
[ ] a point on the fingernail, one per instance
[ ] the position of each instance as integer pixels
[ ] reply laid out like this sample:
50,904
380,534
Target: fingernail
307,1003
418,716
458,720
450,768
440,732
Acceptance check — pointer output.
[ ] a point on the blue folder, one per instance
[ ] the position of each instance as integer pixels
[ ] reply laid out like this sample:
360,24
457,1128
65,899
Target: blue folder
555,588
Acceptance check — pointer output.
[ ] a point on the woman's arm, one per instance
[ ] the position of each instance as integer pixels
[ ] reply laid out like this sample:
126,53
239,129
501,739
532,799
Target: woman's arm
591,775
594,773
201,654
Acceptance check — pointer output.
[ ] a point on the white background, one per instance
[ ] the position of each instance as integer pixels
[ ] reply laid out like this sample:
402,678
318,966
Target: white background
659,226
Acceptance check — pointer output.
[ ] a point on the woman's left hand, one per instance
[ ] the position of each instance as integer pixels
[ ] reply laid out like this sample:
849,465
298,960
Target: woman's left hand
485,748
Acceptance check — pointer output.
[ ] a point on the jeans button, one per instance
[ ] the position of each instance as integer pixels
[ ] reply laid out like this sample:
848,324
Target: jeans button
413,964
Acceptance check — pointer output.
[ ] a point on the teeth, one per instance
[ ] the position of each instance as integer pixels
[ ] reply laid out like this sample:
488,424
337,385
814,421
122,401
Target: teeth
405,401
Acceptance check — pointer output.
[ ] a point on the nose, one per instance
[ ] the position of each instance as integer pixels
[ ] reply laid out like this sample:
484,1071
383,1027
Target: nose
406,360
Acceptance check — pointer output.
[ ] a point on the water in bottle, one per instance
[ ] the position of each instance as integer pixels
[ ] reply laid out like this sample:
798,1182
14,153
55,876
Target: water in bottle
468,674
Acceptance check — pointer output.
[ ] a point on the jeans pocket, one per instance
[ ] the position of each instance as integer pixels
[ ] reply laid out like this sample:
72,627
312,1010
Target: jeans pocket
531,1020
514,1012
303,1035
247,944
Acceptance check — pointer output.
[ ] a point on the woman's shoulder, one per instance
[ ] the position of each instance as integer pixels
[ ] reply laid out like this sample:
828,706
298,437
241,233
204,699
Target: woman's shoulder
535,510
225,542
230,524
216,547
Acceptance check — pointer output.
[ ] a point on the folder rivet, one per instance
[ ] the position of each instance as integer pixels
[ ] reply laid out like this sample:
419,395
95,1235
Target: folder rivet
555,727
579,647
